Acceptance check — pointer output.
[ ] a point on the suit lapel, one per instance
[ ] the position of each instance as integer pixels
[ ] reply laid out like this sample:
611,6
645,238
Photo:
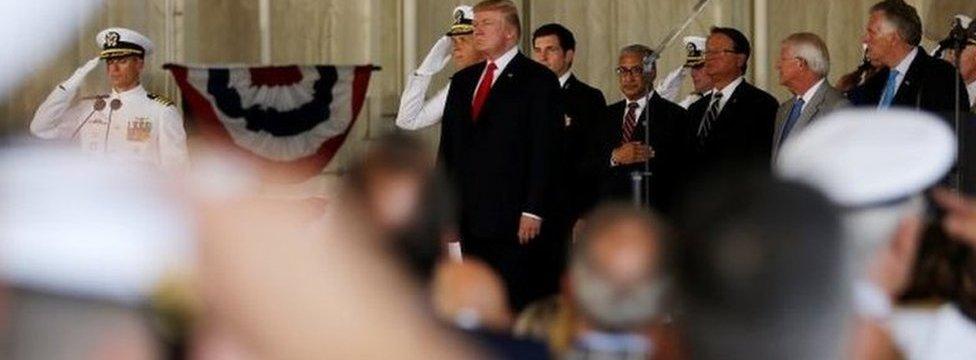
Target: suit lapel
504,84
781,115
909,85
813,108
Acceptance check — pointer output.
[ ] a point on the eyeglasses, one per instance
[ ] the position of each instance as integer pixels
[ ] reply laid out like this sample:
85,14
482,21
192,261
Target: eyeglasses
713,53
634,71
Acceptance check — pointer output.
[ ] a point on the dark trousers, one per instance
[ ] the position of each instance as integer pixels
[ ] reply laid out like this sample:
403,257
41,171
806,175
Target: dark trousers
530,272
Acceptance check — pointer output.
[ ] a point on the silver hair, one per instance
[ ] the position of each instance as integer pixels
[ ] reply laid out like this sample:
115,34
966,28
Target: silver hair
812,50
640,50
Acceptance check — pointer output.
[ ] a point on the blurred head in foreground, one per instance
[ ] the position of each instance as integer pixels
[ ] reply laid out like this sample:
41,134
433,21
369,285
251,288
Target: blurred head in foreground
470,295
83,247
616,279
410,206
759,272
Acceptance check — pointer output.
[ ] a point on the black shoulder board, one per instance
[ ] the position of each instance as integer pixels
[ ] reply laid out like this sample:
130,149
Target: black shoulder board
160,99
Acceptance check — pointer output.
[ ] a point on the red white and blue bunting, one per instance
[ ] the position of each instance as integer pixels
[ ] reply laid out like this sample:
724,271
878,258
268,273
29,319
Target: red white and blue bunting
290,119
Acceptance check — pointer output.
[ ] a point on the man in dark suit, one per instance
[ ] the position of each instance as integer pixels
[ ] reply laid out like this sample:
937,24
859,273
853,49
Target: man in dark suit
735,123
623,147
575,187
803,65
501,126
911,78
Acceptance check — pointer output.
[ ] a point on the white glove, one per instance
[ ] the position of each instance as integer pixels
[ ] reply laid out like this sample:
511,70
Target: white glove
669,88
78,77
437,58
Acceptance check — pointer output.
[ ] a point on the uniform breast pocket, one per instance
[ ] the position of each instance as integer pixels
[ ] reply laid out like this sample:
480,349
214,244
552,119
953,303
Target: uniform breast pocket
139,130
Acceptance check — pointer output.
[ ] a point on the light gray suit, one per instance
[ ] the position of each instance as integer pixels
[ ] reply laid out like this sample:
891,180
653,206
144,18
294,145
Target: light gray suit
825,100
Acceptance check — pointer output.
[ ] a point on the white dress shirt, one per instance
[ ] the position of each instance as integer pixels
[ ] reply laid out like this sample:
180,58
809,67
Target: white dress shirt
726,92
501,63
563,79
808,95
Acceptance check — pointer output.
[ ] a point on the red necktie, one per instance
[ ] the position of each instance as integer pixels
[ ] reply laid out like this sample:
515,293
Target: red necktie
630,122
483,89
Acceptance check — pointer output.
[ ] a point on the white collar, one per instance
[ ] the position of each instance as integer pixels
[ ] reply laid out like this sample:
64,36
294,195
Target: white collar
138,90
807,96
971,88
502,61
730,88
641,102
563,79
905,63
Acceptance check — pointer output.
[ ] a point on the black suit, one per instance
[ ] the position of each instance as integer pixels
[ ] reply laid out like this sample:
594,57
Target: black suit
575,187
584,107
667,137
742,134
501,163
928,85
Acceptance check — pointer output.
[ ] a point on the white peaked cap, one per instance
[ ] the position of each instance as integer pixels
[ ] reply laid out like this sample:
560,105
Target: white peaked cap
76,226
861,157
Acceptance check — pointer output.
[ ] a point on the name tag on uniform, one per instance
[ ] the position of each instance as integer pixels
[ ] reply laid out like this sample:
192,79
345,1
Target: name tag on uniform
139,130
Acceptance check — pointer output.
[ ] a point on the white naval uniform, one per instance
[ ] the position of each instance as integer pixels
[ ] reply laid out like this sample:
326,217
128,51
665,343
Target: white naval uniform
145,129
415,113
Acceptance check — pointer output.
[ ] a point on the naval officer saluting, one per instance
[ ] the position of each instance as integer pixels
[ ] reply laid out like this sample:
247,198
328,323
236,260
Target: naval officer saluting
128,124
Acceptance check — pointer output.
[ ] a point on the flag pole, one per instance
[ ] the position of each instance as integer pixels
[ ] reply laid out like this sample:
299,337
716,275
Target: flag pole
264,21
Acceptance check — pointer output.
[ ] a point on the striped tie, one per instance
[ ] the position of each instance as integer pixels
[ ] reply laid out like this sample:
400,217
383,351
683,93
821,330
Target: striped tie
709,121
630,122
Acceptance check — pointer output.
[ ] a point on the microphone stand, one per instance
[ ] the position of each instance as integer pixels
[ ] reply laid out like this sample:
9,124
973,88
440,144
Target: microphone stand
98,106
957,40
640,180
115,104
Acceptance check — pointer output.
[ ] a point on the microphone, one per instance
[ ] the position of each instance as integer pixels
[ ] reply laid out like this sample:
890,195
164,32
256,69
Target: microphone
98,106
958,37
649,61
114,105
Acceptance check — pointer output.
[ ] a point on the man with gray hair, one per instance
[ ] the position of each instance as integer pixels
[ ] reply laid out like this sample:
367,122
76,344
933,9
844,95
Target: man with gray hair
803,67
616,283
623,148
912,78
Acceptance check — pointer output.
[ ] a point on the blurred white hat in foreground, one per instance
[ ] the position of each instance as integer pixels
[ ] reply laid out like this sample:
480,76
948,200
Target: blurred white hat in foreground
73,226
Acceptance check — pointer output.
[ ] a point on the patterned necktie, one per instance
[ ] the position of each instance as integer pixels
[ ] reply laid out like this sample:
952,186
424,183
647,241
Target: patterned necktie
791,120
709,121
889,91
482,94
630,122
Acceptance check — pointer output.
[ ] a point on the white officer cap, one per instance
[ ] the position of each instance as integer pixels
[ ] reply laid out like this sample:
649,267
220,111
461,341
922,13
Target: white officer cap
119,42
964,20
861,157
876,165
695,46
79,227
463,21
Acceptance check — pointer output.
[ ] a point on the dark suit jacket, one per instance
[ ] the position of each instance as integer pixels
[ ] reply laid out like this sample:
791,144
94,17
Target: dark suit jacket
667,128
742,133
501,163
584,107
928,85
